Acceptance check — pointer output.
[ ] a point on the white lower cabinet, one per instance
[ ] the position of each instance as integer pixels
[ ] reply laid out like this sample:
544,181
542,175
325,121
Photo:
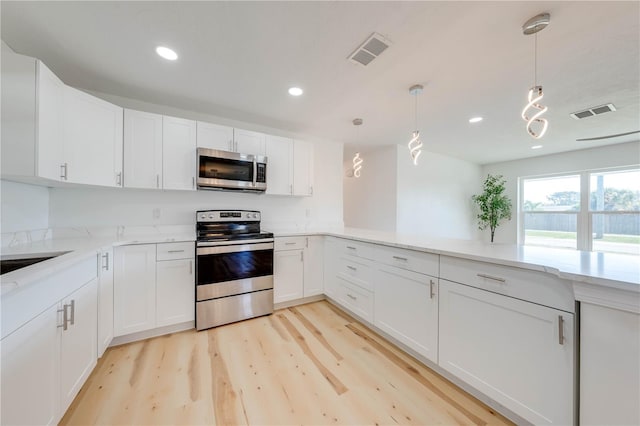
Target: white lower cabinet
288,275
29,382
78,350
313,266
520,354
406,307
154,286
331,264
355,298
134,289
105,300
175,292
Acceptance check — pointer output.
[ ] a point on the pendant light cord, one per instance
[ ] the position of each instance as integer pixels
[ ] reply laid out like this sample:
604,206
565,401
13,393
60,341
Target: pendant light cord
535,60
416,111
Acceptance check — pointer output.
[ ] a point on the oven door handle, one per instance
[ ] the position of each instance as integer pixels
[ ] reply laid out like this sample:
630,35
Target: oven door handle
233,248
233,243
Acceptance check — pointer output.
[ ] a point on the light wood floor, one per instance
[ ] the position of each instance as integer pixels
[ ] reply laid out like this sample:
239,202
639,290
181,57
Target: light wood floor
310,364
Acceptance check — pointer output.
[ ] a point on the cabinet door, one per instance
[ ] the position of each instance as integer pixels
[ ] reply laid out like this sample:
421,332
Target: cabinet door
509,350
178,153
175,289
78,344
313,266
330,270
279,165
92,135
142,149
288,275
134,283
248,142
29,376
105,301
302,168
214,136
49,123
406,307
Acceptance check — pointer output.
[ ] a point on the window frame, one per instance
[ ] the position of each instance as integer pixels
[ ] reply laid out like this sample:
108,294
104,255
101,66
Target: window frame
584,216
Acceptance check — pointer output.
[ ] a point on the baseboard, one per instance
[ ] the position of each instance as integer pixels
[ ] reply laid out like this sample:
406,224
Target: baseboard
297,302
155,332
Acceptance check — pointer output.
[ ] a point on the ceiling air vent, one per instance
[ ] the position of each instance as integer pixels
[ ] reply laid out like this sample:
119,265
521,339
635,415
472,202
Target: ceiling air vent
593,111
370,49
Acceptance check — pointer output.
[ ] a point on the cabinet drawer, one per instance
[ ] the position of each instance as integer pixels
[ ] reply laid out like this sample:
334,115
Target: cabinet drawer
356,299
356,270
424,263
175,251
354,248
289,243
532,286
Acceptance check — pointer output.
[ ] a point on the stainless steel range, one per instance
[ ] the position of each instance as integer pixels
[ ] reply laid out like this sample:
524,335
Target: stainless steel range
234,267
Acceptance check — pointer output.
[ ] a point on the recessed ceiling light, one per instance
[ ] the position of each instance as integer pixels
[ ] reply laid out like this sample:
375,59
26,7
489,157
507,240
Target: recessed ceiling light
295,91
475,120
166,53
536,147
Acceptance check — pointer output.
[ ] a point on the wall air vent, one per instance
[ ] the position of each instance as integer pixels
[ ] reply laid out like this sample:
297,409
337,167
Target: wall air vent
590,112
370,49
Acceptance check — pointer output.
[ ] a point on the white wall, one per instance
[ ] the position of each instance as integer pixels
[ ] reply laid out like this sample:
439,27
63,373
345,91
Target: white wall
370,200
434,197
24,207
618,155
97,207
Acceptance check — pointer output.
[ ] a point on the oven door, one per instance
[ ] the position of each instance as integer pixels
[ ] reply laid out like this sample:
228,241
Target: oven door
225,270
226,170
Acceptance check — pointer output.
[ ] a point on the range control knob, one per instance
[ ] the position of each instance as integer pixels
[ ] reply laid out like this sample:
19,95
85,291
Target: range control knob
210,216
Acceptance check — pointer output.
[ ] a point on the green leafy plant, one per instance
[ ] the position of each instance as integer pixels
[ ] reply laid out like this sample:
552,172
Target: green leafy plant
494,205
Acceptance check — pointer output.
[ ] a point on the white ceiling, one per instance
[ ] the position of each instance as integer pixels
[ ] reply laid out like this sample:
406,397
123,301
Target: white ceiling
237,60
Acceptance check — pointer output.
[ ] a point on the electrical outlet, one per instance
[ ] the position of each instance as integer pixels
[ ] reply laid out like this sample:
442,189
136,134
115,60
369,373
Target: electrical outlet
156,213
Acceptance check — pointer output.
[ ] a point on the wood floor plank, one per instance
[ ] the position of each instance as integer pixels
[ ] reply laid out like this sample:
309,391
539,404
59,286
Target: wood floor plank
312,364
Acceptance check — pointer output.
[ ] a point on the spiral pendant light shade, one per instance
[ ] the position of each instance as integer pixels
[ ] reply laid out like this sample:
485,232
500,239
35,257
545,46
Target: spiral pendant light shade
533,111
415,147
357,165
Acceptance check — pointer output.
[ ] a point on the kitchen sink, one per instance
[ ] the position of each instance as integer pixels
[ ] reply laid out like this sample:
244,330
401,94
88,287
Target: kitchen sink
14,262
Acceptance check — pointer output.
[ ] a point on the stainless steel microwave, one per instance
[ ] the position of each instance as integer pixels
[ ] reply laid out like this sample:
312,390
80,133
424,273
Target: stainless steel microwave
230,170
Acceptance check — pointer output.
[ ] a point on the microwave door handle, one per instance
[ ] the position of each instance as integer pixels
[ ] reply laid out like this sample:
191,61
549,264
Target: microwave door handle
255,171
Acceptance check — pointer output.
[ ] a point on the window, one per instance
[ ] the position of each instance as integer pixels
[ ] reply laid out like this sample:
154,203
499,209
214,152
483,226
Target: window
592,210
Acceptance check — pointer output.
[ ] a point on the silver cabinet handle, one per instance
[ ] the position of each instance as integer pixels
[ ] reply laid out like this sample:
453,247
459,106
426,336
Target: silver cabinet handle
311,190
289,244
119,178
431,285
191,267
175,251
353,268
290,189
64,317
73,312
400,258
105,264
157,181
351,248
301,256
63,171
306,242
489,277
352,297
193,181
560,330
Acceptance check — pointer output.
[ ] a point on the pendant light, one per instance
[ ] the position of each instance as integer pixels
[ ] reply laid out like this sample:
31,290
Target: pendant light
415,145
357,160
532,112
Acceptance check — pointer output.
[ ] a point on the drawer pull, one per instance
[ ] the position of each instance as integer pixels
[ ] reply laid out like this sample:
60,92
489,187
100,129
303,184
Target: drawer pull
351,248
289,244
489,277
560,330
352,297
400,258
353,268
431,293
65,317
175,251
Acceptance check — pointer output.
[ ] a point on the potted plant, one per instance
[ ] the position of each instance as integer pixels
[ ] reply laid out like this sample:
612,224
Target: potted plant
494,205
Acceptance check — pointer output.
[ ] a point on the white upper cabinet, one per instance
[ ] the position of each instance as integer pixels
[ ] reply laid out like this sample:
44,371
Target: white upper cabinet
302,168
214,136
92,138
49,123
142,149
248,142
179,153
279,165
